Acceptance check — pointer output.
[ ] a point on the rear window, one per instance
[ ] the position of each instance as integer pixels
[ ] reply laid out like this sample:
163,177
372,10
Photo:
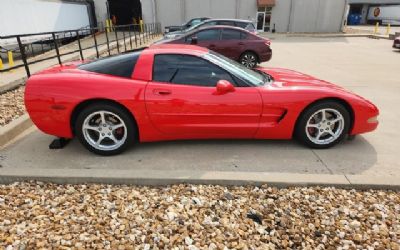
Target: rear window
120,65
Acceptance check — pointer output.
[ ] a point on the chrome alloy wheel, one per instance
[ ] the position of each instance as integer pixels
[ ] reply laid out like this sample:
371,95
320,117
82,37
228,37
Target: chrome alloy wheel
249,60
325,126
104,130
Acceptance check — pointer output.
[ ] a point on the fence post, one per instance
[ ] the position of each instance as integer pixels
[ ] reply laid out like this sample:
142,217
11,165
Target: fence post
79,45
95,43
23,55
116,37
134,31
130,36
108,43
56,47
123,37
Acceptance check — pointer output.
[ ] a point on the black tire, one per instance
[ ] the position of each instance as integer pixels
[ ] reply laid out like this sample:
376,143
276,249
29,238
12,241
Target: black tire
249,59
130,127
303,133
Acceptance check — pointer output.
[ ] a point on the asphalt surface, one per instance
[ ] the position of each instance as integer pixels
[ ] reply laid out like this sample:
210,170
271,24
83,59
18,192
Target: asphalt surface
366,66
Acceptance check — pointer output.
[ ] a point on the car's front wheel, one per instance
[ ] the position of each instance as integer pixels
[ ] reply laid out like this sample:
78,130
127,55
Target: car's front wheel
105,129
323,125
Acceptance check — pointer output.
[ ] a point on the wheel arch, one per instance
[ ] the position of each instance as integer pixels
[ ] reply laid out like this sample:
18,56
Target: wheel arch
341,101
86,103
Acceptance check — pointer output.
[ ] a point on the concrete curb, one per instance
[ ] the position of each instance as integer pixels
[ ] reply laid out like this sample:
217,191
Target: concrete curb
14,128
161,177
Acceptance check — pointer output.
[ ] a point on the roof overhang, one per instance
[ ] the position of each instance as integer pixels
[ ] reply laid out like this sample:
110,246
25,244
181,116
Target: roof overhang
265,3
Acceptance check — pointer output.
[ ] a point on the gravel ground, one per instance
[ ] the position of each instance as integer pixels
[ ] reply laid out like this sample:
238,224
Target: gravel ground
37,215
11,105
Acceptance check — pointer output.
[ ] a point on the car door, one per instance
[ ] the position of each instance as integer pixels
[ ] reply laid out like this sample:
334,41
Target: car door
231,44
209,38
182,101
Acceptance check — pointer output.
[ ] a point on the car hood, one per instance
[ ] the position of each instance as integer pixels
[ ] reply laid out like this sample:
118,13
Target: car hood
291,78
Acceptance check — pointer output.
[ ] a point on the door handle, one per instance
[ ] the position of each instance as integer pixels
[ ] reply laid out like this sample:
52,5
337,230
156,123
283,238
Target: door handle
162,91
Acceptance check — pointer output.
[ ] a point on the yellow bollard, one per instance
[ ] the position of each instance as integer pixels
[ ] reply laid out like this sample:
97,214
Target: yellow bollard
388,29
141,25
1,64
107,26
10,59
376,28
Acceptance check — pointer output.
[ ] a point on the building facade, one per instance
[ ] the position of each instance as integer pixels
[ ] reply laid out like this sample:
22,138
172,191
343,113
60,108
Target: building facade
268,15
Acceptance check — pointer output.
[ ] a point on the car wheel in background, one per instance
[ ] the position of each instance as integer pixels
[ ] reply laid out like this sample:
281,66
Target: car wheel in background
248,59
323,125
105,129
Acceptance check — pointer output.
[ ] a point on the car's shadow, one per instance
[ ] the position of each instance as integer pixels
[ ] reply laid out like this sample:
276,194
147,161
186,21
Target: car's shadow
348,157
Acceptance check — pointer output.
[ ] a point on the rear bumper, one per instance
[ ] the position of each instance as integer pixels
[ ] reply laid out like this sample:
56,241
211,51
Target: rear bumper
396,45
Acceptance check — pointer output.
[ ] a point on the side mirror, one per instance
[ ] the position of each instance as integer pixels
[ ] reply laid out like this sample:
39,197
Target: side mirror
224,86
193,40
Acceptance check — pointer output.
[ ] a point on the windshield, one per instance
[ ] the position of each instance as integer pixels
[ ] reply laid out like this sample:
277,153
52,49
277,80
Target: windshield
255,78
194,27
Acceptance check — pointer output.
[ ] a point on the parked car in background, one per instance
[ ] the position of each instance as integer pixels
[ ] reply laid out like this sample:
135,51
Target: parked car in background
232,42
178,92
187,25
396,43
244,24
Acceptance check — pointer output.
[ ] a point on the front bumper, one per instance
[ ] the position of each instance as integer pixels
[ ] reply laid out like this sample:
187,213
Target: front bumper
265,56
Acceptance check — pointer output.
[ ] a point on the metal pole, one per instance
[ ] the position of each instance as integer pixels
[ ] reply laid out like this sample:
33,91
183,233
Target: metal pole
108,43
116,37
95,44
79,45
134,31
123,36
22,50
56,47
130,36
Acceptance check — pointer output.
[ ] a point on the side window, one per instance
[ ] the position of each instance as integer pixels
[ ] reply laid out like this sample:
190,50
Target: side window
212,23
243,35
250,27
241,25
188,70
120,65
208,35
228,23
230,34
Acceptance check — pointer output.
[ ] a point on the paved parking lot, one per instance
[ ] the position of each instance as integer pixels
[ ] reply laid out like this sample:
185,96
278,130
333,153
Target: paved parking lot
366,66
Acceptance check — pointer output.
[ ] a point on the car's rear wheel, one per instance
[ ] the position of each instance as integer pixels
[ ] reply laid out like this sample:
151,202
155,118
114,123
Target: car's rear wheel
105,129
323,125
248,59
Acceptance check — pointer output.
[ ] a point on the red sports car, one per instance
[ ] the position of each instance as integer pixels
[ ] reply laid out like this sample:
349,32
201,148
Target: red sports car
171,92
235,43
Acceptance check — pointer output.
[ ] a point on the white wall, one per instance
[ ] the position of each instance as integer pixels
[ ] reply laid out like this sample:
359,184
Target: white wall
101,10
34,16
287,15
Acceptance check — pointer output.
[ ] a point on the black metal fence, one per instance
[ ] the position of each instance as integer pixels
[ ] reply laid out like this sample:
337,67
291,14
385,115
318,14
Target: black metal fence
32,48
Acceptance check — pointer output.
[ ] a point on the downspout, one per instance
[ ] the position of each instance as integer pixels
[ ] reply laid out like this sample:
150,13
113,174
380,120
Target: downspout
290,17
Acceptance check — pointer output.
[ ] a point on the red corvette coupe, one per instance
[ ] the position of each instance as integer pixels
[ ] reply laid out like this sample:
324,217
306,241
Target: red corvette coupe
170,92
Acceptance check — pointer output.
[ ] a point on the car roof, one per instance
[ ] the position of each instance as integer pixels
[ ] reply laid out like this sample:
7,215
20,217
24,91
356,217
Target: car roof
221,27
174,48
227,19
